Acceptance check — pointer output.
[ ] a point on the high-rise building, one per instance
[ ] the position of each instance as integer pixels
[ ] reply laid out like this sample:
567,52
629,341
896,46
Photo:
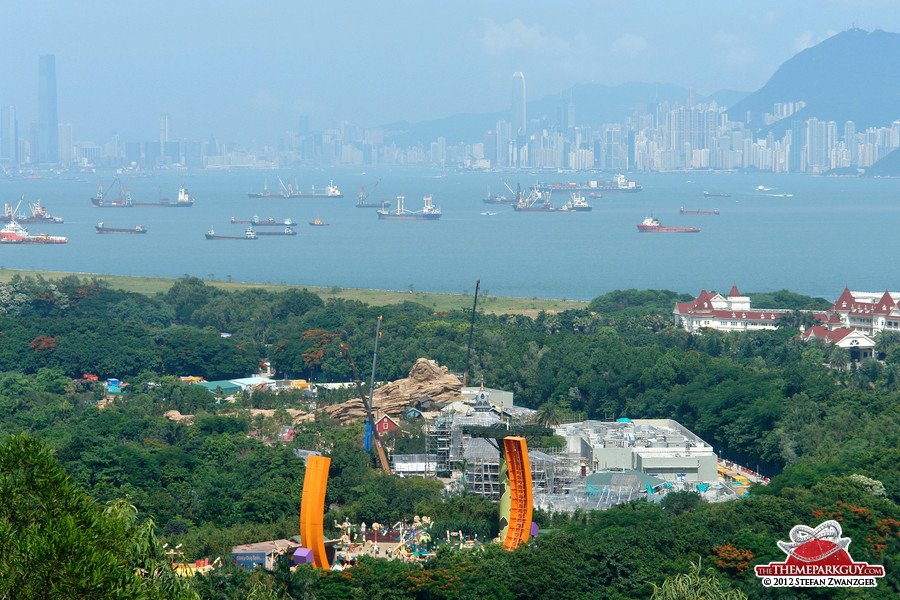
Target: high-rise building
9,135
48,119
163,133
518,105
66,154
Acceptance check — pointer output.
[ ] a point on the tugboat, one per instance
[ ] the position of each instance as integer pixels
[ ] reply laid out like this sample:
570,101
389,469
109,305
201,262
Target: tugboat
715,211
318,223
429,213
101,228
104,200
39,214
248,235
651,225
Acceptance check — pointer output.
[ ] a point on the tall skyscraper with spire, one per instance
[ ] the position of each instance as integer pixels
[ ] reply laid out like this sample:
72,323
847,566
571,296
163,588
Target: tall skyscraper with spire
48,119
518,104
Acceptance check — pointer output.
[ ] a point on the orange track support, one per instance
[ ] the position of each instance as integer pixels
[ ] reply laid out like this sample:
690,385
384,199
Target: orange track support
312,508
521,503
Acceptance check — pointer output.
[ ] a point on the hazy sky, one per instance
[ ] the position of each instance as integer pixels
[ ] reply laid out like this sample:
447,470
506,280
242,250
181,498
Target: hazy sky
245,71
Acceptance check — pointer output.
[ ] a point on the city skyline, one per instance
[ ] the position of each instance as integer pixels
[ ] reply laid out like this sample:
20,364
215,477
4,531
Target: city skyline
250,74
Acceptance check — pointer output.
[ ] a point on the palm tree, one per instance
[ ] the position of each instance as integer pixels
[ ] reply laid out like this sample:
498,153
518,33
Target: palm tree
548,415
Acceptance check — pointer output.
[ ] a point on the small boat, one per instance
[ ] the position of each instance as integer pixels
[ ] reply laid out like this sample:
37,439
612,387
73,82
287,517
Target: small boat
652,225
285,231
248,235
488,213
318,223
101,228
715,211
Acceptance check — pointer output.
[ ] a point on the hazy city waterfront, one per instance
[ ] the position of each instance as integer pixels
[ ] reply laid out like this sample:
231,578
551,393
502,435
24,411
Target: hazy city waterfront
811,235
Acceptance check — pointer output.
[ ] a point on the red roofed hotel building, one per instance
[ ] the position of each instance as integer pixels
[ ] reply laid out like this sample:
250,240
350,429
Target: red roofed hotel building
725,313
866,312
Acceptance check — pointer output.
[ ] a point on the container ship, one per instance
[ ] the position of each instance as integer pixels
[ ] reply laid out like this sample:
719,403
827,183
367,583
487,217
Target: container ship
121,199
651,225
285,231
715,211
101,228
13,233
429,213
184,200
39,215
270,222
248,235
618,185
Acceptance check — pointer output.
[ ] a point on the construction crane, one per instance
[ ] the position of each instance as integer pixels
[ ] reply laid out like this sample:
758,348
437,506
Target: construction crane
367,402
465,381
364,195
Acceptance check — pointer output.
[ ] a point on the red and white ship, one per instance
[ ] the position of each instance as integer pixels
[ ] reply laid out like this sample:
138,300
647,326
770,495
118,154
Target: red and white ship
651,225
13,233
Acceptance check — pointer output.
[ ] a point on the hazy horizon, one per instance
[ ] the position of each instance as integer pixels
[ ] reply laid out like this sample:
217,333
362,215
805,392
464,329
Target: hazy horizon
247,72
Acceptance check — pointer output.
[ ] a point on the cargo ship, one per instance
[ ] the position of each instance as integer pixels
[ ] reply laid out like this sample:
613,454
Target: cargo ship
363,201
715,195
101,228
122,199
248,235
618,185
651,225
576,204
285,231
429,213
495,199
287,191
184,200
715,211
39,214
270,222
13,233
535,201
318,223
329,191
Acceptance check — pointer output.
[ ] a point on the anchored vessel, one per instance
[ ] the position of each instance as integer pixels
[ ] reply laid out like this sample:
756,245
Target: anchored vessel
285,231
619,184
256,222
248,235
576,204
115,196
535,201
101,228
287,191
318,223
38,214
715,211
184,200
429,213
13,233
715,195
651,225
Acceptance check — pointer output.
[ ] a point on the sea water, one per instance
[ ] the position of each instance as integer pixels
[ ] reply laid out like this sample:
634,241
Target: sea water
812,235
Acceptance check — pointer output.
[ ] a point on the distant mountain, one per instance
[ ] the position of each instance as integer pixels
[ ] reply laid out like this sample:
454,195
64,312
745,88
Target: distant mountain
595,105
851,76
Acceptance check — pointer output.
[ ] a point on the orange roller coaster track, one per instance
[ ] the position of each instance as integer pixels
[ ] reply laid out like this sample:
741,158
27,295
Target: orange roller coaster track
521,503
312,508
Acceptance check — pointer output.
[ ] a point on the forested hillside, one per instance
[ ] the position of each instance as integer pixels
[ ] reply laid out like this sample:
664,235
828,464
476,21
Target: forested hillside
218,480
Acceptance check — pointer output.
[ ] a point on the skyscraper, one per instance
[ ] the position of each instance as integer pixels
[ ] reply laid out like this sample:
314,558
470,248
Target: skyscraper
518,104
48,119
163,133
9,135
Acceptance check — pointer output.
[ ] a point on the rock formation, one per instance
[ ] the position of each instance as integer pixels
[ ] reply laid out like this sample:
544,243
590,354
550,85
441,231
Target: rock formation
429,387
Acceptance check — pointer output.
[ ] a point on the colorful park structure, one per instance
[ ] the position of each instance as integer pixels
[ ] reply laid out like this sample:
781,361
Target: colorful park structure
312,508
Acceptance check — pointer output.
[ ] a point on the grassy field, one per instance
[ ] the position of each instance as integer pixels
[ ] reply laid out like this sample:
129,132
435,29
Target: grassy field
437,302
